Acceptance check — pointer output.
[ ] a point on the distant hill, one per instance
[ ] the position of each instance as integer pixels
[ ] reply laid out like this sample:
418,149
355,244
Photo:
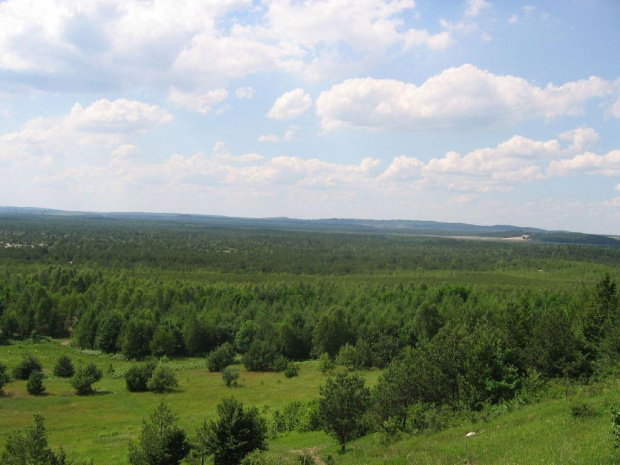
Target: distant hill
408,227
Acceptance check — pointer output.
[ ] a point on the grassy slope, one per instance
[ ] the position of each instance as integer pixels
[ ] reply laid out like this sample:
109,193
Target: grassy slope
100,426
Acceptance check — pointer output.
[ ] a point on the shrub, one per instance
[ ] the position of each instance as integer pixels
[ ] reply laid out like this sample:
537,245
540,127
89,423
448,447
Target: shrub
260,357
326,363
291,370
64,367
84,379
221,357
582,410
162,441
163,379
4,377
230,376
35,383
138,375
280,363
26,367
237,432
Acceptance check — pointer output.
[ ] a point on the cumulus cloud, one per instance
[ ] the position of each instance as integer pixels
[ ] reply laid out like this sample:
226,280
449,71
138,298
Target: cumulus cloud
290,105
119,116
465,96
201,103
102,43
104,123
589,163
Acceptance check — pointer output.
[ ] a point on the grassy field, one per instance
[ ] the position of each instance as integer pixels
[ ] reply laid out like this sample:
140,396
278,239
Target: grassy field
100,426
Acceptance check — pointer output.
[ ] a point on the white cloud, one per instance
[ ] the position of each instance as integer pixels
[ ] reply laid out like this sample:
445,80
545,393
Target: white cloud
581,138
287,136
98,43
615,109
513,19
290,105
462,27
618,187
245,93
458,97
124,151
474,7
201,103
119,116
486,37
588,163
102,124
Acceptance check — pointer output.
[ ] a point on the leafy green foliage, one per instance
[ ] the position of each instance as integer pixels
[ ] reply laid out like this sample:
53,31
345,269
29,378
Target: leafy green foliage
4,377
84,379
221,357
35,383
261,356
343,404
161,441
163,379
326,363
27,365
291,370
63,368
237,432
138,375
31,447
230,376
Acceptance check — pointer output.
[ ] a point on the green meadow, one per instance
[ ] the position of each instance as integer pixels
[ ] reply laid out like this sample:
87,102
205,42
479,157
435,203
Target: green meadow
100,426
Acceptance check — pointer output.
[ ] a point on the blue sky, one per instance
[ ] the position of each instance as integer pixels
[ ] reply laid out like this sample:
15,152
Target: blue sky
474,111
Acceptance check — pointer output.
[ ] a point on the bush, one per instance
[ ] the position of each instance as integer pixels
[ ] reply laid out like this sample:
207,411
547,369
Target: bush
280,363
4,377
237,432
291,370
221,357
230,376
163,379
326,363
582,410
84,379
260,357
161,442
26,367
64,367
35,383
138,375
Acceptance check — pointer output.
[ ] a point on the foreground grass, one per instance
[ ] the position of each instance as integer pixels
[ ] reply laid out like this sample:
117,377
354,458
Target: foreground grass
100,426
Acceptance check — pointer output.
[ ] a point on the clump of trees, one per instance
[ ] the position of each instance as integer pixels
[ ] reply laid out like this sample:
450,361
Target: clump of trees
26,367
150,376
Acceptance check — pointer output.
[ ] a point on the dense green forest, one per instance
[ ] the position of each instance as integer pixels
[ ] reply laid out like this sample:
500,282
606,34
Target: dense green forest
452,323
